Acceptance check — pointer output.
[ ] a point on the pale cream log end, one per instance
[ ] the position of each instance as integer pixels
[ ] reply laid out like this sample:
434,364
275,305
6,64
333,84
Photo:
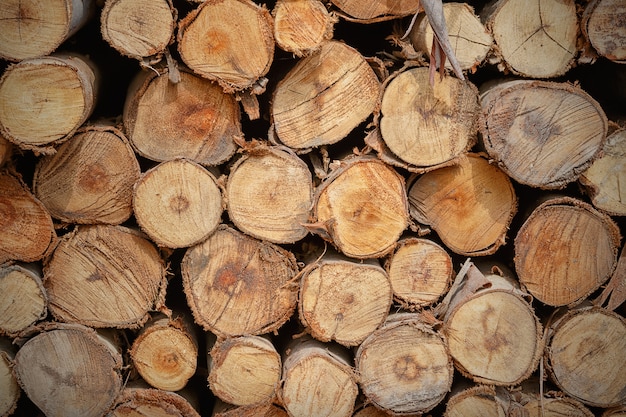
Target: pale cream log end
24,300
301,26
602,24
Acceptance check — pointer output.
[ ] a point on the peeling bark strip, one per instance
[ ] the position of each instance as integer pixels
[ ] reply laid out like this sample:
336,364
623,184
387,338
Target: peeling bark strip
236,285
90,178
542,134
193,119
104,276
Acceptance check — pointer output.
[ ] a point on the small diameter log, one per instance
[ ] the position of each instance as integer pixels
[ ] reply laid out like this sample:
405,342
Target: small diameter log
138,28
318,380
585,356
270,194
542,134
361,207
420,272
90,178
324,97
551,404
222,409
237,285
10,392
301,26
602,26
375,10
104,276
424,126
177,203
191,119
565,251
148,402
24,300
165,352
404,366
343,300
479,401
493,334
605,179
244,371
470,205
229,41
43,101
69,370
470,40
33,28
26,230
534,40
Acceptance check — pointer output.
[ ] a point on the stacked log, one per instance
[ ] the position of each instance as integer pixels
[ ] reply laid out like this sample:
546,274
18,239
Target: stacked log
303,208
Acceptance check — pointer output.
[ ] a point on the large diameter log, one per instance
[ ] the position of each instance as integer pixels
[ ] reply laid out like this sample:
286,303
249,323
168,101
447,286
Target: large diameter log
11,391
424,126
605,179
90,178
324,97
237,285
534,40
470,40
493,334
229,41
138,29
33,28
69,370
26,230
301,26
245,370
43,101
148,402
104,276
404,366
191,119
376,10
470,205
318,380
602,26
542,134
270,194
565,251
361,207
165,353
343,300
585,356
420,272
177,203
24,300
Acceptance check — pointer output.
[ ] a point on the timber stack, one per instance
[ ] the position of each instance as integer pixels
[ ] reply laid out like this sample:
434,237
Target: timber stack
298,208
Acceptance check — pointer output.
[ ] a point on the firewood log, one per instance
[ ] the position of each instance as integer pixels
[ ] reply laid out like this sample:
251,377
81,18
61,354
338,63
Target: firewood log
542,134
404,366
151,402
11,391
324,97
318,380
343,300
585,355
375,11
58,366
90,178
244,370
229,41
24,300
301,26
470,205
138,29
43,101
178,203
270,194
191,119
237,285
534,40
26,230
549,404
33,29
565,250
602,28
479,401
104,276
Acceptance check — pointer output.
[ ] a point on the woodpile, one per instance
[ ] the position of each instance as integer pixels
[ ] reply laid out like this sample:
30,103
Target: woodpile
225,208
